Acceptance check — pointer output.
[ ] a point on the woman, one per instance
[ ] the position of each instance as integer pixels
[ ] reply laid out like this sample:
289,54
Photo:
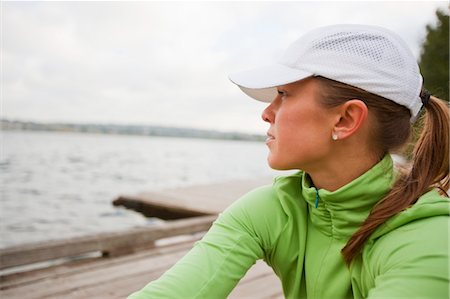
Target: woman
347,225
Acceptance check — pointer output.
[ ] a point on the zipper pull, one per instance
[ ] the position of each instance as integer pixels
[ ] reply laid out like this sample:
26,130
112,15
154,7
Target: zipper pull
317,199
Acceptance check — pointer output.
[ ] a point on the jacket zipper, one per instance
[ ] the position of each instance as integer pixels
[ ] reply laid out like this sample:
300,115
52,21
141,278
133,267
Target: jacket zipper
316,204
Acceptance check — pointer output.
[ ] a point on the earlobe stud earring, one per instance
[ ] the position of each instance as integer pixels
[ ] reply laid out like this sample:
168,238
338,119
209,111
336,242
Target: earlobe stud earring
334,136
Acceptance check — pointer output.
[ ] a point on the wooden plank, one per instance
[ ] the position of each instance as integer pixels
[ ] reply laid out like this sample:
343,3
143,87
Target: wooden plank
76,281
118,286
124,286
19,279
190,201
117,277
128,285
107,243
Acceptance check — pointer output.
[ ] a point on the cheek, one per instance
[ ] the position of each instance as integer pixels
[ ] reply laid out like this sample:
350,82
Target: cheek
300,128
301,138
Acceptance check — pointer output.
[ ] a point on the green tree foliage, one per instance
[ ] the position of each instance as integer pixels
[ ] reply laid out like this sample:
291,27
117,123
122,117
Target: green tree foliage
434,63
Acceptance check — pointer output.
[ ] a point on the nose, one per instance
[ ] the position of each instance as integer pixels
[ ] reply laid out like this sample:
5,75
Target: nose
268,114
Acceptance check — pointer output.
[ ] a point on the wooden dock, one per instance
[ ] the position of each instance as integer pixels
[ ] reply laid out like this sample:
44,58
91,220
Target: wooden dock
113,265
190,201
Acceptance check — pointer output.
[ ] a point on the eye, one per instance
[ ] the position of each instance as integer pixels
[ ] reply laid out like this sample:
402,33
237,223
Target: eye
282,93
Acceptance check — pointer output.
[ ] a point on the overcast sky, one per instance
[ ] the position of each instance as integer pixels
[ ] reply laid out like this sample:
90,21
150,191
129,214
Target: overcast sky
164,63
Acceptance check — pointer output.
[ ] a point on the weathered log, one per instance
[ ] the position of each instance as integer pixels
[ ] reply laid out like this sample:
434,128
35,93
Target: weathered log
113,243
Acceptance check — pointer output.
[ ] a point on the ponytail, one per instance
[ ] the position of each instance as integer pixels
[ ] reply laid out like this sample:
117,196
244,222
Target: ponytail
429,169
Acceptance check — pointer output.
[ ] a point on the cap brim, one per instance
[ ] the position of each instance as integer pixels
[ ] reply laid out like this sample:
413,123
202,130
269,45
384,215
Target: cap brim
261,83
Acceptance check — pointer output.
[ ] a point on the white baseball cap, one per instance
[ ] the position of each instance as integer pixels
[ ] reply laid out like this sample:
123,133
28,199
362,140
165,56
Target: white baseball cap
368,57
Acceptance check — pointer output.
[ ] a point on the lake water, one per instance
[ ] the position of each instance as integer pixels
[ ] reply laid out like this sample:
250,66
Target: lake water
56,185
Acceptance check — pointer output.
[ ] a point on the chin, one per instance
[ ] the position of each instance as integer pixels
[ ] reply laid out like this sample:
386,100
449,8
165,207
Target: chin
278,165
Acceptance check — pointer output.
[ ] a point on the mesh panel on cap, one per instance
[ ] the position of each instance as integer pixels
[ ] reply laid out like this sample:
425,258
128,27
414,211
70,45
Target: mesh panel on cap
368,46
366,58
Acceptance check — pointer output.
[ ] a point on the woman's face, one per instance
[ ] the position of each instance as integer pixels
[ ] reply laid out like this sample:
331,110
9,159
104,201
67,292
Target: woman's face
300,130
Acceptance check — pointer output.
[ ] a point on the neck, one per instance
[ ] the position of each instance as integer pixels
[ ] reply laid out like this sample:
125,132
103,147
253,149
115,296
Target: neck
342,170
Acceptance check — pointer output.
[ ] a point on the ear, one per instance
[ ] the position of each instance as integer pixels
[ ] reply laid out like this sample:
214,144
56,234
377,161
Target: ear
353,114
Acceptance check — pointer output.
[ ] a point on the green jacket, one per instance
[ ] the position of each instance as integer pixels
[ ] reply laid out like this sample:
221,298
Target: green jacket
299,231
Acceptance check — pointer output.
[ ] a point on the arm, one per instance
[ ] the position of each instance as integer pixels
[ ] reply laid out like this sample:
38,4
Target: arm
216,263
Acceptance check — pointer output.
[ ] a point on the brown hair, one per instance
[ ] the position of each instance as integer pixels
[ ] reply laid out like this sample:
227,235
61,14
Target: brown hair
391,129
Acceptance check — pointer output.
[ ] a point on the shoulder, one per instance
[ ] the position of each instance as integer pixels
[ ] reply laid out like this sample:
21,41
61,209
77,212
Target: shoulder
421,237
410,261
284,191
265,211
418,237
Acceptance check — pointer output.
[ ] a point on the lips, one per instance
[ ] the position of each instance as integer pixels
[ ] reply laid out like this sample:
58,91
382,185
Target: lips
270,137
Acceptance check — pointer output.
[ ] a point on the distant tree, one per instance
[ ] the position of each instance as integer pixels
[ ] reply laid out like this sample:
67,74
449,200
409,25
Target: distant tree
434,63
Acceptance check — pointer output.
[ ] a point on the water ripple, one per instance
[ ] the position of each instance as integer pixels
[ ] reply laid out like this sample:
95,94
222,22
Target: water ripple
62,184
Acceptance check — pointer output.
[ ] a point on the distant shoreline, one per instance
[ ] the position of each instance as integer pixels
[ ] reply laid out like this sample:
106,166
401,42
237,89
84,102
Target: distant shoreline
137,130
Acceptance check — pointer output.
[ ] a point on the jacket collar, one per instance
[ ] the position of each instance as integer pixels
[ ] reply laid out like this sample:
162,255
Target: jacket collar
341,212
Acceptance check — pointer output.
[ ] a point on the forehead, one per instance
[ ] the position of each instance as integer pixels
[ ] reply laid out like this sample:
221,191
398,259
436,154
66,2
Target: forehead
301,84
